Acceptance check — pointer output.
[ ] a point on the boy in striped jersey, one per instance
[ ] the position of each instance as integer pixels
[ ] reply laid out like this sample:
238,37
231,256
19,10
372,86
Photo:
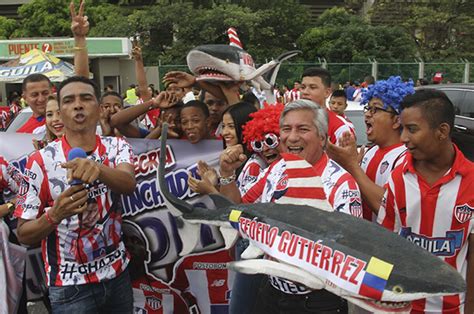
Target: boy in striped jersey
382,118
428,198
316,86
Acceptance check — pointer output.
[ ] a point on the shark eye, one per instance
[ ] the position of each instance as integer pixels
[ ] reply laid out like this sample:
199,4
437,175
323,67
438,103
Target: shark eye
397,289
227,61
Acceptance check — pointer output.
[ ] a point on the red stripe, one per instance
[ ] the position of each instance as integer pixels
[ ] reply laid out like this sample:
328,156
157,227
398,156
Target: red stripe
451,304
301,172
306,192
429,198
345,177
418,306
371,172
370,292
389,219
399,184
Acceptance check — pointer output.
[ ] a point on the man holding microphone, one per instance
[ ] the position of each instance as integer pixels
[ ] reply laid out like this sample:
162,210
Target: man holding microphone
73,206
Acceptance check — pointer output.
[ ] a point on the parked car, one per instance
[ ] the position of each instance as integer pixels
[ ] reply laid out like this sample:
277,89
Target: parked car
355,113
462,96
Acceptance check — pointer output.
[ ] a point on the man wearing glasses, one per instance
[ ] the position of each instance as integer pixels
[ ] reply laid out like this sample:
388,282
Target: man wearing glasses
382,118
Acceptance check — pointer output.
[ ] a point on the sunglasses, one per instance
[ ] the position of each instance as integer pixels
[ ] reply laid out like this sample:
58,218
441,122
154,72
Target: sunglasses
271,140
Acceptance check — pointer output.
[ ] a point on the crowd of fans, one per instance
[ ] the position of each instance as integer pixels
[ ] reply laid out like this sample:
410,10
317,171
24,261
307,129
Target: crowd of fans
411,154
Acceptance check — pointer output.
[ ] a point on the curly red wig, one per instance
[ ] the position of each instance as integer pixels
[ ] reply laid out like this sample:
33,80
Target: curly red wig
264,121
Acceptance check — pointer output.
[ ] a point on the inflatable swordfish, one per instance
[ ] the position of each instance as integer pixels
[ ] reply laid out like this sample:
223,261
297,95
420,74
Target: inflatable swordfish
232,63
358,260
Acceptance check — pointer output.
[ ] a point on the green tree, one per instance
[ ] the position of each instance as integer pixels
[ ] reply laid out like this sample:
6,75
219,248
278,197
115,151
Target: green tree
342,37
443,29
44,18
7,26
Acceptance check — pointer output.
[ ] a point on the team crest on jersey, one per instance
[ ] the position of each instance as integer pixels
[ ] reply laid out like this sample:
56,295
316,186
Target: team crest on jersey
383,167
281,187
153,302
463,213
24,186
356,208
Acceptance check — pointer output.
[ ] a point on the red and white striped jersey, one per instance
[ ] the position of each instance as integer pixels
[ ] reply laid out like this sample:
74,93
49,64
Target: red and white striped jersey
292,180
250,172
86,248
287,97
377,164
289,180
438,218
337,125
295,94
33,125
152,296
206,277
10,177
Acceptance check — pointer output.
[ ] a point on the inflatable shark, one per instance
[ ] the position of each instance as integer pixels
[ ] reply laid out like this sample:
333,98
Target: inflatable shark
233,64
355,259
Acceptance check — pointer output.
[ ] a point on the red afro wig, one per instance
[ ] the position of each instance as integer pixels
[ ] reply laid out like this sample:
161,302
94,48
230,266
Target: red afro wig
264,121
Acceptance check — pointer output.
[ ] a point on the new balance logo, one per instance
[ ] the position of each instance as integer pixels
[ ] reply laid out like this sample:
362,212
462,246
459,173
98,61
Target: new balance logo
218,283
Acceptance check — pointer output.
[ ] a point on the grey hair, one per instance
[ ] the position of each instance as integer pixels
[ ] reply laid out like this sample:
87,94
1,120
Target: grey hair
320,119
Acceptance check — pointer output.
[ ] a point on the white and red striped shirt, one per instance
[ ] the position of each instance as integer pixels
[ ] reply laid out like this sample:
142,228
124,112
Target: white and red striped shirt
377,164
337,126
250,172
83,250
34,125
152,296
436,217
290,181
206,277
295,94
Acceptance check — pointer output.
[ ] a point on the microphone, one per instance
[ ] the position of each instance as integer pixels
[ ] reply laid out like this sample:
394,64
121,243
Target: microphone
74,153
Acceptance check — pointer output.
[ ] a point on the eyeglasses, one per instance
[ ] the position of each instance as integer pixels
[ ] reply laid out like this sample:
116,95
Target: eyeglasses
271,140
373,110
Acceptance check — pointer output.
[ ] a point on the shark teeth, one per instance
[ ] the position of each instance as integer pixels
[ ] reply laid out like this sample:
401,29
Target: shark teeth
211,73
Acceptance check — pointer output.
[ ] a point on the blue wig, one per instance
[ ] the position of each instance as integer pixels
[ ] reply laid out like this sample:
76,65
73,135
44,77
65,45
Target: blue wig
391,92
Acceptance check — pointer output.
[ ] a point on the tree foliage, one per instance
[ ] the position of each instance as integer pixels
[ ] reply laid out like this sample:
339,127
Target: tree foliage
7,26
342,37
433,30
443,29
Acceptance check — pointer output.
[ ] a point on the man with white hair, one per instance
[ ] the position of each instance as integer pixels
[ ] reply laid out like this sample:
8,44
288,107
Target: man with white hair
303,137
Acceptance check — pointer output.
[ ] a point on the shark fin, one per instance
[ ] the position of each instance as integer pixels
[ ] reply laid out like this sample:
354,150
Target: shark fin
176,206
285,271
271,75
230,236
252,252
261,70
220,200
